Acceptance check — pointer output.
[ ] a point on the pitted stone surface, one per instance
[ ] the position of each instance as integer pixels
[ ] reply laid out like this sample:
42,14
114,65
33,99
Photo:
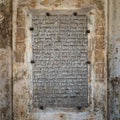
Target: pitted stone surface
59,50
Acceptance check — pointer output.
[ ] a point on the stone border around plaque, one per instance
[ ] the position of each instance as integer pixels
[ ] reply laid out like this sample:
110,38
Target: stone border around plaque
49,13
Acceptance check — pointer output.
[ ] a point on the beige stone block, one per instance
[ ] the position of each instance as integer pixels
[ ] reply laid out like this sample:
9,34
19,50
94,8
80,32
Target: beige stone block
99,71
99,56
20,37
99,42
20,52
100,31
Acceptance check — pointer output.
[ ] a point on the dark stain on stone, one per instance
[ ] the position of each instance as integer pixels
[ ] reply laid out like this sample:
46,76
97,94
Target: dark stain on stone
115,81
62,116
116,58
114,97
5,27
116,50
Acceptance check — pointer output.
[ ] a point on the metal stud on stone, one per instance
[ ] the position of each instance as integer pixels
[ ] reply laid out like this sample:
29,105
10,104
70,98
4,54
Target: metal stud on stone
75,13
88,62
87,31
41,107
47,14
79,107
32,61
31,28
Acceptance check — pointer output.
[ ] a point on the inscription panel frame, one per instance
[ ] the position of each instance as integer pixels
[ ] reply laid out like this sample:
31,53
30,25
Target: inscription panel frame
56,12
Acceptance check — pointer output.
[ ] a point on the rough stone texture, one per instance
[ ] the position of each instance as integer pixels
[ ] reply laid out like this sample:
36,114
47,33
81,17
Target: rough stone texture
22,93
5,60
114,60
100,25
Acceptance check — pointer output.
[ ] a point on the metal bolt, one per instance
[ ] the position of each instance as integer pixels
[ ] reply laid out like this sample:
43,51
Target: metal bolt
79,107
32,61
87,31
31,28
88,62
75,13
41,107
47,14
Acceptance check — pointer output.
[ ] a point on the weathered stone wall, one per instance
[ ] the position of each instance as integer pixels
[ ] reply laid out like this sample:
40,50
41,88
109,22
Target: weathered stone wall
114,60
5,59
97,109
101,24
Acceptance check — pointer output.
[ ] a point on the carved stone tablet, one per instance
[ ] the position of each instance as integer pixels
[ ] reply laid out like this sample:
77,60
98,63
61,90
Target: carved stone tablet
59,69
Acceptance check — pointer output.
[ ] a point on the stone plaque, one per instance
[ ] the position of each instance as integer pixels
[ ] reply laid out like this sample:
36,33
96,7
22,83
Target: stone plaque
59,69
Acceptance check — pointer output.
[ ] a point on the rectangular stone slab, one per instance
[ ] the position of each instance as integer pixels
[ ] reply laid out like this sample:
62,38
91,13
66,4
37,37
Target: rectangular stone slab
60,52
